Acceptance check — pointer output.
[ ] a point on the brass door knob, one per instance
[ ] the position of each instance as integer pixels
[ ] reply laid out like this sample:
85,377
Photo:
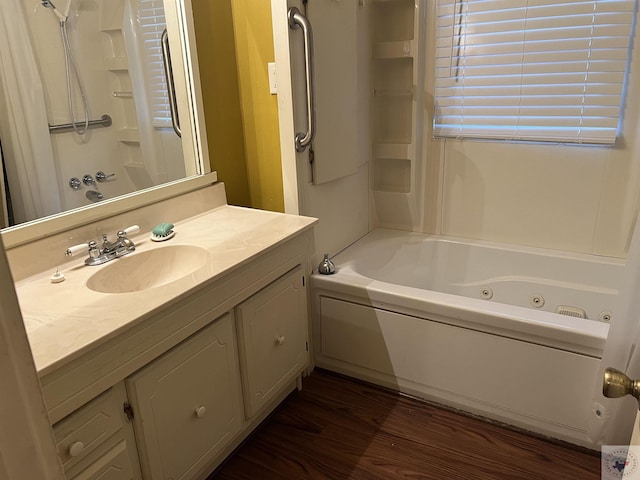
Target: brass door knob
617,384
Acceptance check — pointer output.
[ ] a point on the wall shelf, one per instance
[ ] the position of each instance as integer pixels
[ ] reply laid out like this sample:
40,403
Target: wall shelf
397,49
391,150
115,64
395,107
129,135
392,175
392,93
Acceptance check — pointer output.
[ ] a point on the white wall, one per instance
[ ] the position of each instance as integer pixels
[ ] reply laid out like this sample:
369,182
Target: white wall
574,198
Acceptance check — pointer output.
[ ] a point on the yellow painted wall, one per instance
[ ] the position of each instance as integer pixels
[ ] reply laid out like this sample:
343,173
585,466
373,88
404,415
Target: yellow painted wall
254,49
221,96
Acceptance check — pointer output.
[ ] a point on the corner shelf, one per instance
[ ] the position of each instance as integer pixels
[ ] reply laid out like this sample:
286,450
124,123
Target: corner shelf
395,171
392,150
116,64
392,175
397,49
129,135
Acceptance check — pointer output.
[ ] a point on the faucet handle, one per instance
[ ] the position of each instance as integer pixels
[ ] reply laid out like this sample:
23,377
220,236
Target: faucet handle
102,177
71,251
129,231
83,247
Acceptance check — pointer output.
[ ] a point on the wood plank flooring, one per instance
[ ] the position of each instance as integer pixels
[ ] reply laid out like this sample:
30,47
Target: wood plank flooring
336,428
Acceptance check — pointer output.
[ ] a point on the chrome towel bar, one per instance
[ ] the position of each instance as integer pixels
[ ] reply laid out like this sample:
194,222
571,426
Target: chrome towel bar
105,121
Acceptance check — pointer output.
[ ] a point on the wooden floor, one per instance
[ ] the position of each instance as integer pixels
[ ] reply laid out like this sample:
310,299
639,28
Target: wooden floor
336,428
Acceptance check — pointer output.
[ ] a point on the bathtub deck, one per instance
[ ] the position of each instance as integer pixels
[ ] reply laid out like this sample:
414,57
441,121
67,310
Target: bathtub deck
340,429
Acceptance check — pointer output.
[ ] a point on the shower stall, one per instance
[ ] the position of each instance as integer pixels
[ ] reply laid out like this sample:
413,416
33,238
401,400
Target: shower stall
86,93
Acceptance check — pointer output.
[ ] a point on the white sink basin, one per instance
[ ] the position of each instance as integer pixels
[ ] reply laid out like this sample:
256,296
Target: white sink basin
144,270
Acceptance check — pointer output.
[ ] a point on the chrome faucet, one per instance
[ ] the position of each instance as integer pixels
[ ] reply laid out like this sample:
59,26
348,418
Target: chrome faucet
107,251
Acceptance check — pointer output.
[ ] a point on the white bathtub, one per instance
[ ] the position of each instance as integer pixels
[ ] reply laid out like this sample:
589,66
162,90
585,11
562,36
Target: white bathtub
453,321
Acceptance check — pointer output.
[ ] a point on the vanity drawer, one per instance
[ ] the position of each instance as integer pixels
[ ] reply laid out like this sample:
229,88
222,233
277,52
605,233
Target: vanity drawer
87,428
115,464
272,334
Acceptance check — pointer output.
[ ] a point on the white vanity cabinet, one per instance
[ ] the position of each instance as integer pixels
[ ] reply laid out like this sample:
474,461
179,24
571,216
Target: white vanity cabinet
96,442
171,391
187,403
273,341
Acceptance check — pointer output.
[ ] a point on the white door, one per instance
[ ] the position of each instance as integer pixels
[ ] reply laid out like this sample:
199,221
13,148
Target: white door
329,179
615,421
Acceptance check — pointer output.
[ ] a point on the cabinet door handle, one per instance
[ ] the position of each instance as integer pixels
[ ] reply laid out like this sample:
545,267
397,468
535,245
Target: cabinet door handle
76,449
200,412
280,340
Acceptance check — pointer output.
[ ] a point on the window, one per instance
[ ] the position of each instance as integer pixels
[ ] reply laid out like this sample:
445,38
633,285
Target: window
539,70
152,23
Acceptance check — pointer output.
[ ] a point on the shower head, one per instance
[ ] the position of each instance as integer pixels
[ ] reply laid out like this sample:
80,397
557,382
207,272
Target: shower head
61,16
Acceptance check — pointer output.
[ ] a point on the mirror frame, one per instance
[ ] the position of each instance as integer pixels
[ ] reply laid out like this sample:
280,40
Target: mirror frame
40,228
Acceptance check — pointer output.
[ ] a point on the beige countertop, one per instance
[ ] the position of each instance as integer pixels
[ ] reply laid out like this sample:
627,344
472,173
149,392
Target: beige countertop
64,320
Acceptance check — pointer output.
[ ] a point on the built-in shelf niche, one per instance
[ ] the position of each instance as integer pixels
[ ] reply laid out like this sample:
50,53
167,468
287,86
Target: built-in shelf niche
393,75
395,98
393,20
393,119
399,49
117,60
392,175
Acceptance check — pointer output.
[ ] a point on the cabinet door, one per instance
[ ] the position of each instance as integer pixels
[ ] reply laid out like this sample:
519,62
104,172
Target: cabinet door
272,331
187,403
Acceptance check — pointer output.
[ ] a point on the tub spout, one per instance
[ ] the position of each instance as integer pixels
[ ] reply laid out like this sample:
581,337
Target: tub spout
94,195
326,267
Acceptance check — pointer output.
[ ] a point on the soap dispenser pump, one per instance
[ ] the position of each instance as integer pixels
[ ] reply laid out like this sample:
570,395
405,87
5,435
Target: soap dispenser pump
326,267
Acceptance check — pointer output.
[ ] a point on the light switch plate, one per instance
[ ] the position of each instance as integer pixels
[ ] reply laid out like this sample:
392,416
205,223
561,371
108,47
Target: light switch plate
273,83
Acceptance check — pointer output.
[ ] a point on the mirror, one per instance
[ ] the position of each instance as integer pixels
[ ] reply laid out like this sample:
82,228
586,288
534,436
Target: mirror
62,61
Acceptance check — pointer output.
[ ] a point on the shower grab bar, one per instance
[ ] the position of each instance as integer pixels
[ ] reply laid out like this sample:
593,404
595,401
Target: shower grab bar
168,73
105,121
298,20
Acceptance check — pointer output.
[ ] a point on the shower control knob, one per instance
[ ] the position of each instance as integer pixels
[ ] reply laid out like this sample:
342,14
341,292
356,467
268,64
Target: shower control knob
75,183
88,180
102,177
616,384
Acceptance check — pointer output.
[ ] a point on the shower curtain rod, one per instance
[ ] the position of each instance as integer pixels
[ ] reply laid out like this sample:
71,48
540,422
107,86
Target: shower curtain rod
105,121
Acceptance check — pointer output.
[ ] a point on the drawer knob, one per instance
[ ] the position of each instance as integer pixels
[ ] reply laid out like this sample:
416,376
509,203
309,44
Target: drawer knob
280,340
200,412
76,449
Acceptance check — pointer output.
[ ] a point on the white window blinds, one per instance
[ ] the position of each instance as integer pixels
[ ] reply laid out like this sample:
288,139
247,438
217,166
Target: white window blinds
152,23
539,70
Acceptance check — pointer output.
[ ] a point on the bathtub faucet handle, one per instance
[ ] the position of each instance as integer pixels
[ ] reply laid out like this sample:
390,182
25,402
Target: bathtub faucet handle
326,267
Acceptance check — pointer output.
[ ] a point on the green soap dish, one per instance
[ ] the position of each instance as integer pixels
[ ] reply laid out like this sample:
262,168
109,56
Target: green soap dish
162,232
